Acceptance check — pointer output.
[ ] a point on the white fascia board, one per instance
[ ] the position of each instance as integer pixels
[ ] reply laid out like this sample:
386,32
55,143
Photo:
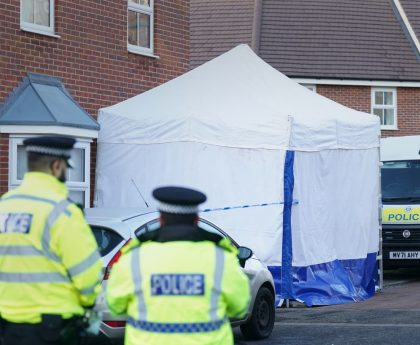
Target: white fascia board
355,82
22,136
70,131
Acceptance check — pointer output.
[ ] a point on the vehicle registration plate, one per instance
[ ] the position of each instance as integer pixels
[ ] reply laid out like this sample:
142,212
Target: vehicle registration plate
404,255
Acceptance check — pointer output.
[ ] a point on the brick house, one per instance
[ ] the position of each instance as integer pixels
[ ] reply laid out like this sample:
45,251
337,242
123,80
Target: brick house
363,54
89,54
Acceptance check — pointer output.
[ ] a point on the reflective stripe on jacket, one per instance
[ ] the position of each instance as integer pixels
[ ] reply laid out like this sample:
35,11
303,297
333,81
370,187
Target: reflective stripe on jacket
49,260
178,293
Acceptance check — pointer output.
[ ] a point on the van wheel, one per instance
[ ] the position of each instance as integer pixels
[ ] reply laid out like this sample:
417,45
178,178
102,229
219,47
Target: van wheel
261,323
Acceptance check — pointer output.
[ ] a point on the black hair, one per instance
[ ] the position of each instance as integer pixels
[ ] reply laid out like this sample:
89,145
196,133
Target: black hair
172,219
40,162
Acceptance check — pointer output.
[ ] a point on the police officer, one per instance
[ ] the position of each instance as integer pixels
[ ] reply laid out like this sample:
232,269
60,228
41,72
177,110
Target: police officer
178,284
49,260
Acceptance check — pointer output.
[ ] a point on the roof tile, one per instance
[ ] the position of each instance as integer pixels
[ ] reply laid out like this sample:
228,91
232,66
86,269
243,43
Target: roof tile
217,26
355,39
412,10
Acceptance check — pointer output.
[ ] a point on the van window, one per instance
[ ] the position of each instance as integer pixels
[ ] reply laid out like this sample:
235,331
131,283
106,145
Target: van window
400,181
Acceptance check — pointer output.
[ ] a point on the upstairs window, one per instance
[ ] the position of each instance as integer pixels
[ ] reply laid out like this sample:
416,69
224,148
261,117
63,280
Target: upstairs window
37,16
384,104
140,26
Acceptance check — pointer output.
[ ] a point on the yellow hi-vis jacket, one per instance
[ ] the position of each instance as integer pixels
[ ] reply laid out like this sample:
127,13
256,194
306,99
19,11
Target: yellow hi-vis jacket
49,260
178,292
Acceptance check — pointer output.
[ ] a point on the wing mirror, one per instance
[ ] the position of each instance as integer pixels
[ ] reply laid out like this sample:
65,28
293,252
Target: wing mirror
244,254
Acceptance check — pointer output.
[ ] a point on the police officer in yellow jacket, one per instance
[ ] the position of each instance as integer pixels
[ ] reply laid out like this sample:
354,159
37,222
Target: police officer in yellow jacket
49,261
181,284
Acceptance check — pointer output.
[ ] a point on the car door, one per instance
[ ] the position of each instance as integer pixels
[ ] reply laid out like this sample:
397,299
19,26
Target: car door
248,267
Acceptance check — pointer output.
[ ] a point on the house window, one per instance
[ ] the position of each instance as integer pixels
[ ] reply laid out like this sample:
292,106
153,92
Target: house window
37,16
77,178
140,26
384,104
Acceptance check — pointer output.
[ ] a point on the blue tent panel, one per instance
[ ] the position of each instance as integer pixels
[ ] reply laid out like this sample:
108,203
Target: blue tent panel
335,282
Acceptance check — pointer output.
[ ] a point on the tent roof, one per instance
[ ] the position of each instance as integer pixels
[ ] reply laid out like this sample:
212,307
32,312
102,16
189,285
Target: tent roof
238,100
42,100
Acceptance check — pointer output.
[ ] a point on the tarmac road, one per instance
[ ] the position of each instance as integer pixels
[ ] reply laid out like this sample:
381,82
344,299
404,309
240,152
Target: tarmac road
391,317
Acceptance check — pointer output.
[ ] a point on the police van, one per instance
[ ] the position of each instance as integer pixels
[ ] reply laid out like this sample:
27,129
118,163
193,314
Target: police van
400,183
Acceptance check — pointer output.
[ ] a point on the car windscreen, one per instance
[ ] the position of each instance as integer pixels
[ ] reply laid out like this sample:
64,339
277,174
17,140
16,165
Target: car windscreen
107,239
400,181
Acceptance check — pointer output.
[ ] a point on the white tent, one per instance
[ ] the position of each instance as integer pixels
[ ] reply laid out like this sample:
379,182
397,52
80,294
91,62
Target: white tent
245,134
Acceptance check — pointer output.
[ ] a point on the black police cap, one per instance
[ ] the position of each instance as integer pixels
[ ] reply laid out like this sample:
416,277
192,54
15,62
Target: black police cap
178,200
57,146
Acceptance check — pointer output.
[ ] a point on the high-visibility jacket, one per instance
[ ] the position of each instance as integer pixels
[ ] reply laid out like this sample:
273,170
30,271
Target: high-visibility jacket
49,260
178,292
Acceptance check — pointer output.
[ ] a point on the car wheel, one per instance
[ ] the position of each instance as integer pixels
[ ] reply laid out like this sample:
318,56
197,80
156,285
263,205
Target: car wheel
261,323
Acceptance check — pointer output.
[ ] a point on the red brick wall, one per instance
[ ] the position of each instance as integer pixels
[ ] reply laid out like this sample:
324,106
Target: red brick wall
356,97
91,55
408,112
359,98
4,163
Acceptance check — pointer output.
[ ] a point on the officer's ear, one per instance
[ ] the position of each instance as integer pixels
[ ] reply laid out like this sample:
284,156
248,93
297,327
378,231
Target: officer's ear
55,165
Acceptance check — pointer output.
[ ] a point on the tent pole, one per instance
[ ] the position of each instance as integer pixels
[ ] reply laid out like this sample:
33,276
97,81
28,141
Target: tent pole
380,256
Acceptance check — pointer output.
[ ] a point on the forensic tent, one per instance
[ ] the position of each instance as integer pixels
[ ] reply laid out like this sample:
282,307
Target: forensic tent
288,173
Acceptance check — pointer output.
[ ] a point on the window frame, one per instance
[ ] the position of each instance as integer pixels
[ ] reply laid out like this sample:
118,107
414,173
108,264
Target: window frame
16,140
148,10
36,28
393,106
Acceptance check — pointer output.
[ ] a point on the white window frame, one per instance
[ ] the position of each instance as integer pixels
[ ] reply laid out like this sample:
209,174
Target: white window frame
394,106
36,28
148,10
311,87
16,140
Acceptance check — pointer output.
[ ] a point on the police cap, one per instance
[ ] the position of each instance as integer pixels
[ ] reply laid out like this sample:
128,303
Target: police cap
178,200
57,146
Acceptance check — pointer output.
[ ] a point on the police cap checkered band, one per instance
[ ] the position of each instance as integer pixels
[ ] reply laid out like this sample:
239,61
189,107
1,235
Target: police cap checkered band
177,209
51,145
178,200
49,151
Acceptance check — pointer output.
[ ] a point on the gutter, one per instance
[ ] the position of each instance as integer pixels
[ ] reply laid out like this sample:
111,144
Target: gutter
356,82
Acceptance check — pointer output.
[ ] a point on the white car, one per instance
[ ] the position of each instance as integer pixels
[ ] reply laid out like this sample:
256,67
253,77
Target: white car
113,228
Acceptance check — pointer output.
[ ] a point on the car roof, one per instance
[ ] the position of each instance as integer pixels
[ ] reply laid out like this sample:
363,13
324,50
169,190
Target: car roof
117,214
